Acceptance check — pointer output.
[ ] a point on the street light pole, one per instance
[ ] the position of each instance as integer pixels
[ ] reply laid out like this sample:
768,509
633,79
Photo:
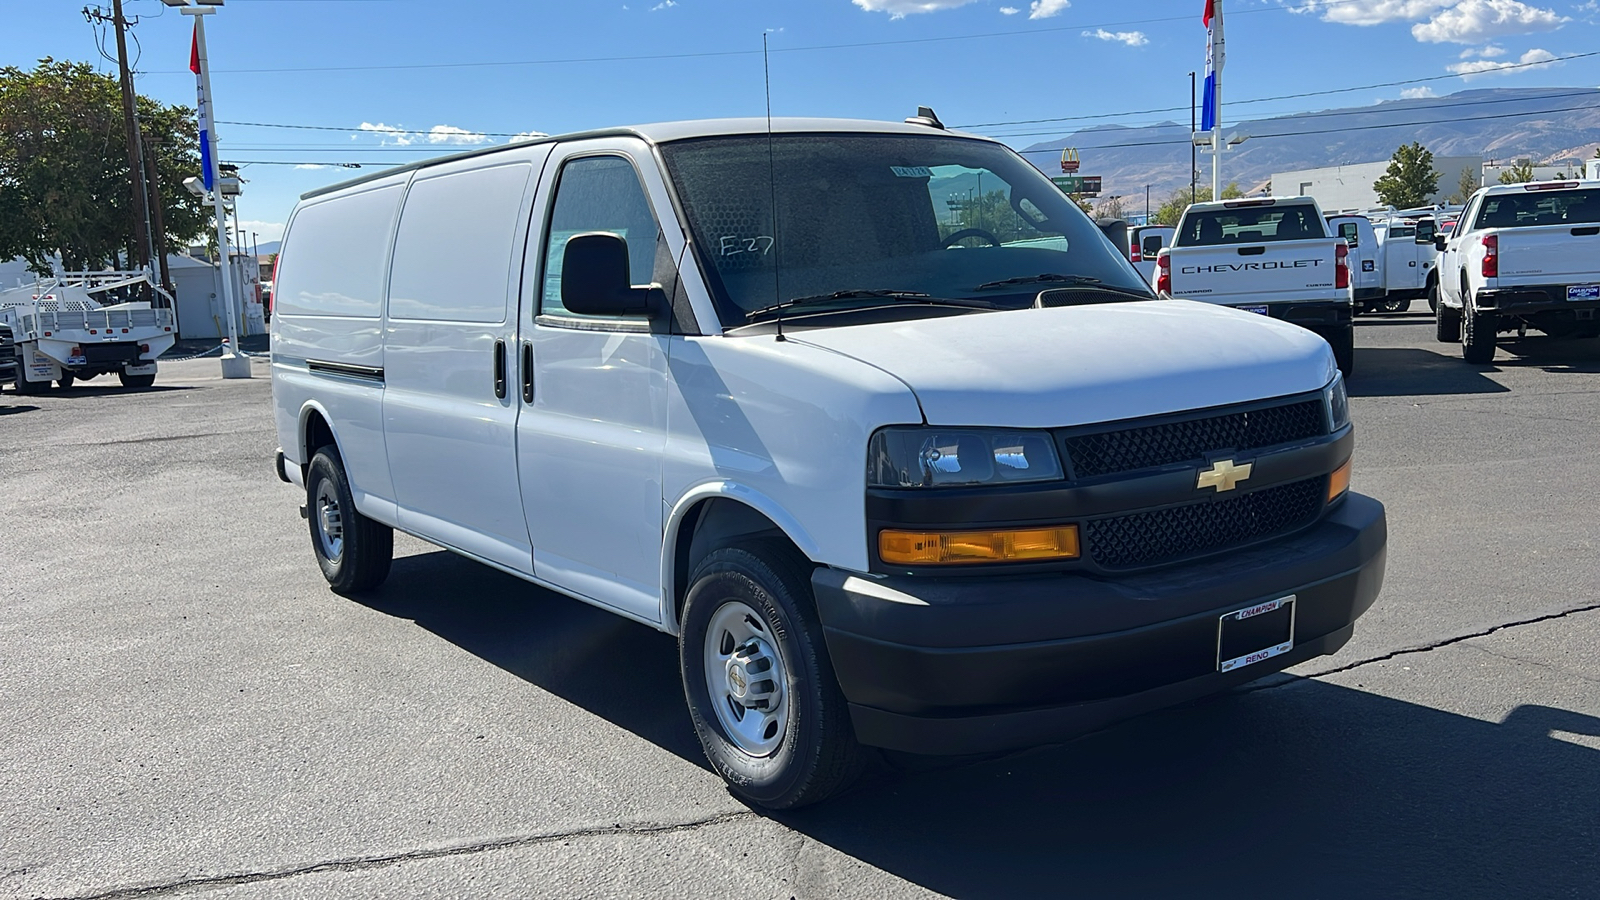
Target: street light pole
1194,151
234,364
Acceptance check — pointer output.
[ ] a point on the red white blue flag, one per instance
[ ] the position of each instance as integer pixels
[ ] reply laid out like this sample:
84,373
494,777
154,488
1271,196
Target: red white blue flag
203,106
1210,106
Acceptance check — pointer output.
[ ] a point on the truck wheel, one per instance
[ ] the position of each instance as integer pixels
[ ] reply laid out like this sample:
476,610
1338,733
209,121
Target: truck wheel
1343,343
1479,332
353,551
1446,324
30,388
66,380
1397,306
137,382
758,680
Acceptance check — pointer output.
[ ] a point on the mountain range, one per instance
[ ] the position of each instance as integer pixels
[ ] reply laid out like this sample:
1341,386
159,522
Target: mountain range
1546,125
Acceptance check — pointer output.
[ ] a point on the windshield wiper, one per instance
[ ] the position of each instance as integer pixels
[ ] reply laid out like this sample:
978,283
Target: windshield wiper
1037,279
864,294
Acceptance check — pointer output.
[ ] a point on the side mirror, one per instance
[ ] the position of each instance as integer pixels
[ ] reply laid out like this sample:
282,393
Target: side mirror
595,278
1439,241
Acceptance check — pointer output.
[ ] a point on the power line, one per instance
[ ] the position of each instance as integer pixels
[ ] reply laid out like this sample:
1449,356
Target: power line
1364,87
1588,92
719,53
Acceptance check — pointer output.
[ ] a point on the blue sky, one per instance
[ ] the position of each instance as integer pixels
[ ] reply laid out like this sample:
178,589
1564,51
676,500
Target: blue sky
366,67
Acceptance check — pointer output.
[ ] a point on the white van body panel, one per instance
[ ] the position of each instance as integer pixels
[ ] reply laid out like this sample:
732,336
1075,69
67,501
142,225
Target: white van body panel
329,310
752,417
1366,260
1047,368
453,288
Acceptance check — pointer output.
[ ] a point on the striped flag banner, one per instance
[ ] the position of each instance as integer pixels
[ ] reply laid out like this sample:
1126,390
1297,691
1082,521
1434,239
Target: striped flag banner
1215,54
203,106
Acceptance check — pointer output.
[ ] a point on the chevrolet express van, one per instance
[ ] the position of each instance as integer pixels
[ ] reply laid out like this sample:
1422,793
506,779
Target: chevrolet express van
894,477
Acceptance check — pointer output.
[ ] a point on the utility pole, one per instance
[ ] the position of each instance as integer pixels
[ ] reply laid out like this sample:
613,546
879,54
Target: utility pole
1194,160
158,231
141,208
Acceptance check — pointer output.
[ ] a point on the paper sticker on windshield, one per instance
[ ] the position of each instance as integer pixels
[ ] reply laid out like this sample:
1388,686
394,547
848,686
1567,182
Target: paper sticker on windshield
912,171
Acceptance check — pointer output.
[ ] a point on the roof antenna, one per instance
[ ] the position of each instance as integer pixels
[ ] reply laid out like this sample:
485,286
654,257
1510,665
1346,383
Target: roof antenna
772,185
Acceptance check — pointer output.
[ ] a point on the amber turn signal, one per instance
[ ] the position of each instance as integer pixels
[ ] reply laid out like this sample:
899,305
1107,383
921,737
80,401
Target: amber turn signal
1339,481
938,548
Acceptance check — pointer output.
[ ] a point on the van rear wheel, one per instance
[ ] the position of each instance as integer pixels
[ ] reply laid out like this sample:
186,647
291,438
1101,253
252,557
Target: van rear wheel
757,677
353,551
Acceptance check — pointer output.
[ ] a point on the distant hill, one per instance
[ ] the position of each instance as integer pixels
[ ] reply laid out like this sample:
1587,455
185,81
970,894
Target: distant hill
267,248
1536,123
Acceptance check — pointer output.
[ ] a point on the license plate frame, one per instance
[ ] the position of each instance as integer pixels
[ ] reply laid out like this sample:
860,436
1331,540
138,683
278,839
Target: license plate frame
1258,310
1270,633
1583,292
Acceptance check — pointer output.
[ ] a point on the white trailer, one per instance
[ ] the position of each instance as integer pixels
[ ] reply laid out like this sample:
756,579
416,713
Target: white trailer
78,325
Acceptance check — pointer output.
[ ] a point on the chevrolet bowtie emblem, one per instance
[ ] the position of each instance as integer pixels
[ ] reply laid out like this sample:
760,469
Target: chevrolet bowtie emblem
1223,475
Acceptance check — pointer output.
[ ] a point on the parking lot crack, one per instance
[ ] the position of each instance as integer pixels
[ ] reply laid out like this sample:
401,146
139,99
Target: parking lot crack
363,863
1425,648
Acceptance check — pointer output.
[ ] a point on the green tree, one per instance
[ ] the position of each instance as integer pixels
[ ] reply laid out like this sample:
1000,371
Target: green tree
64,184
1169,212
1410,179
1518,173
1465,187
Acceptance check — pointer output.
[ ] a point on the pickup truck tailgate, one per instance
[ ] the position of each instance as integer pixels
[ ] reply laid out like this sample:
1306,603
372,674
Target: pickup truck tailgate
1238,274
1549,254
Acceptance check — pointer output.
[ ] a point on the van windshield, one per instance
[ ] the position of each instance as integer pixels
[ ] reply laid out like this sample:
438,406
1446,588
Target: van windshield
1248,225
945,217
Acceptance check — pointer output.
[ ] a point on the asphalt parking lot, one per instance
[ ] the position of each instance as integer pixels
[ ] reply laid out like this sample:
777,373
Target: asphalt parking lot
186,710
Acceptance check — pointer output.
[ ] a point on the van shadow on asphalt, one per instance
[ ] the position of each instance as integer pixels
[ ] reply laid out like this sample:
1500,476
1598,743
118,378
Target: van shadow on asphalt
1409,372
1303,789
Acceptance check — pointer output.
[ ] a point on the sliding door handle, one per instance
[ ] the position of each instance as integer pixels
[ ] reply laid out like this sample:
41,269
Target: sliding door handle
500,369
527,373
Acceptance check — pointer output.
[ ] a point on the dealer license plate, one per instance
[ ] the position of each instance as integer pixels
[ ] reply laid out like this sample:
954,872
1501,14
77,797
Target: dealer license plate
1583,292
1258,310
1255,633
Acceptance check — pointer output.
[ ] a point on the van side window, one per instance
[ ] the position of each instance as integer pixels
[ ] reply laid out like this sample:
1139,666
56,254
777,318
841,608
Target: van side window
1152,246
599,193
1349,232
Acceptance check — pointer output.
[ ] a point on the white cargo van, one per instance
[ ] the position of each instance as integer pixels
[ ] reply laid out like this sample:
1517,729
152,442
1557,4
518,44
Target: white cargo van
890,481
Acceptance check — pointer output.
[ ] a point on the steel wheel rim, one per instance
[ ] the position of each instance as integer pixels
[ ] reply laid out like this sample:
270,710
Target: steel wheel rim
747,678
329,521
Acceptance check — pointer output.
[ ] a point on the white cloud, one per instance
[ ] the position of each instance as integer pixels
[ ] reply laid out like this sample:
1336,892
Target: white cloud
1374,12
526,136
312,166
1533,59
391,133
450,134
1009,10
1131,38
664,4
899,9
1044,9
1417,93
1487,51
261,232
1472,21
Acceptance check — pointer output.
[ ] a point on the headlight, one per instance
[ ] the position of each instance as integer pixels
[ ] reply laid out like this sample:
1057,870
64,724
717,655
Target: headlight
1337,403
938,457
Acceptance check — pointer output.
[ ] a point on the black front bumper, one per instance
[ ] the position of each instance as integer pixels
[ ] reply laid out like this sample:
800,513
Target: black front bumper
1530,299
969,665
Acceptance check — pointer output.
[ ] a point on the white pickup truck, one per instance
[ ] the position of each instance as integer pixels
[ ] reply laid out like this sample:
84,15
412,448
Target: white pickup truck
1521,255
1270,255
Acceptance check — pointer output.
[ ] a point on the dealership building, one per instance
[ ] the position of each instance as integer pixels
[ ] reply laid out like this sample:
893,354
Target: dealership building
1350,187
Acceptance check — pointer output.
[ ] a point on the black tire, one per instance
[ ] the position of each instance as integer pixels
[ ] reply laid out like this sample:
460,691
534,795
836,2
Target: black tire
816,754
1479,334
137,382
1446,324
353,551
30,388
66,380
1343,342
1397,306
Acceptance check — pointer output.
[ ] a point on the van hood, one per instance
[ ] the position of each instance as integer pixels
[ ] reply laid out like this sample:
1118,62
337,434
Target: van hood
1043,368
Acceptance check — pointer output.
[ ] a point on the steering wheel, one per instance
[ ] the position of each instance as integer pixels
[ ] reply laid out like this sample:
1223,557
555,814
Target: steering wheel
965,233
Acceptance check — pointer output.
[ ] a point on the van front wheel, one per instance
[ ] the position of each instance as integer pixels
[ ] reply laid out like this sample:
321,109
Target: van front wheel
353,551
758,680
